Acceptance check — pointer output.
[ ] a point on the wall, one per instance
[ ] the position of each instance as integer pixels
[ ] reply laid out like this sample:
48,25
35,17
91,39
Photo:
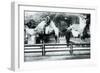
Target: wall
5,31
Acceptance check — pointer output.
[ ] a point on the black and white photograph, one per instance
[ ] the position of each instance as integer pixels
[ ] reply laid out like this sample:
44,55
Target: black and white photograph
49,36
56,35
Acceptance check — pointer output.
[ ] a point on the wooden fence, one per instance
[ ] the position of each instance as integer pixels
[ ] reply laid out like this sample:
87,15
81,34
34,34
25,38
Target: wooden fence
43,48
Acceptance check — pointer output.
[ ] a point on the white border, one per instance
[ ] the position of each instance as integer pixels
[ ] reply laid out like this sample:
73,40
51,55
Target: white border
18,44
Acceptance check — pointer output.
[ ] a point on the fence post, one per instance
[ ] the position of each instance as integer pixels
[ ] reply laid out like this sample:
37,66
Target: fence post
43,49
71,49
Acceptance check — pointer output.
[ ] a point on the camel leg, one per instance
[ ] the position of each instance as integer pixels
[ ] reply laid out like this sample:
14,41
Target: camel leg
68,35
57,39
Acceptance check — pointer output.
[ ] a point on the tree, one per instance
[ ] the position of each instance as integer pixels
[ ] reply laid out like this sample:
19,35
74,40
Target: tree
31,24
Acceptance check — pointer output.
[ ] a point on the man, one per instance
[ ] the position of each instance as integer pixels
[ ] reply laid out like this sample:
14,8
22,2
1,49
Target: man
40,29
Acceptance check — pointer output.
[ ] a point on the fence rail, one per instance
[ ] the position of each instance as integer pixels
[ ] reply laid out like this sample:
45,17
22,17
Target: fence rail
44,48
26,45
